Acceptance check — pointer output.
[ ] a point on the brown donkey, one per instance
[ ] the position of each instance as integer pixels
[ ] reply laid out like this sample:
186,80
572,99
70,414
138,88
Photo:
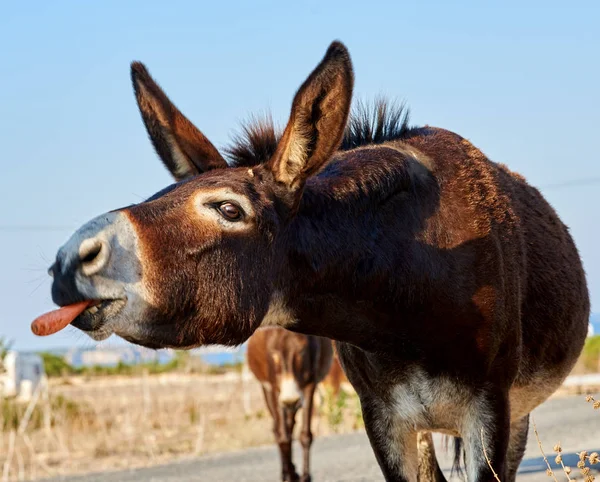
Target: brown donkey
448,282
289,366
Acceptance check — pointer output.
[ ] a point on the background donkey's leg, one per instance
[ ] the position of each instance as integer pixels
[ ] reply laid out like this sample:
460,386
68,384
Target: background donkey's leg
285,443
516,447
281,437
306,434
429,469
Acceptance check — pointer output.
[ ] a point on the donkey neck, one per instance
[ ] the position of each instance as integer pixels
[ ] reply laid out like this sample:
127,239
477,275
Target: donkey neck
352,251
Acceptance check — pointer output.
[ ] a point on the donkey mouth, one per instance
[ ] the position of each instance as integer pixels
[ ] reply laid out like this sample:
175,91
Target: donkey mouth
94,319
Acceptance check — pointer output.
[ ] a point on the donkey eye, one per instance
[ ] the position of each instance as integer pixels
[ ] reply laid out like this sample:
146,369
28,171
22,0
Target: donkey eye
230,211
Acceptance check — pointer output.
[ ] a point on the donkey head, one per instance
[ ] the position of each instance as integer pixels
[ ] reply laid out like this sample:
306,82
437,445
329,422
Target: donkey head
197,262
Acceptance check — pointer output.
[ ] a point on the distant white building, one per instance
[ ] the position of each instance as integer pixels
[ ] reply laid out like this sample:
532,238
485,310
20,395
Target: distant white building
111,356
21,375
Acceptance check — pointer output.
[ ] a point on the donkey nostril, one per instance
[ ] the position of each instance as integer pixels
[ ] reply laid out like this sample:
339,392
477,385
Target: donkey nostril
93,255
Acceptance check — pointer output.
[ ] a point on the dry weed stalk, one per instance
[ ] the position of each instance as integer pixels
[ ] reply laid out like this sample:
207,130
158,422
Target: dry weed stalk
11,451
34,456
244,378
199,445
592,459
487,458
549,471
559,460
29,411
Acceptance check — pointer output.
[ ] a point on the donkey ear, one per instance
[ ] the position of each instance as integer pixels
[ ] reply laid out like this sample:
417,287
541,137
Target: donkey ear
316,126
184,150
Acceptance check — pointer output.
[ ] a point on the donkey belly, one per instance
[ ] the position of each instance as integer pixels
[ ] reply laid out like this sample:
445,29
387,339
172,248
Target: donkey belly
523,399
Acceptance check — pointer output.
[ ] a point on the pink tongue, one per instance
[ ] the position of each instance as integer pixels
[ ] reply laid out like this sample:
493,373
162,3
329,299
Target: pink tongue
54,321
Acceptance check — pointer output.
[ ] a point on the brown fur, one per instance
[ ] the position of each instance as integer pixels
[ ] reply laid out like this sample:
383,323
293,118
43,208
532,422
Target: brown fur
447,281
274,353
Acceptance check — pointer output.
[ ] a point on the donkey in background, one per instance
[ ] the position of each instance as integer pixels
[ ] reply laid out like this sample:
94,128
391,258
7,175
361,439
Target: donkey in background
447,281
289,366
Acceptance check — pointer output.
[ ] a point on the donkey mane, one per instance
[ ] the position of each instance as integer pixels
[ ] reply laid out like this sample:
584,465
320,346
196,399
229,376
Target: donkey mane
369,123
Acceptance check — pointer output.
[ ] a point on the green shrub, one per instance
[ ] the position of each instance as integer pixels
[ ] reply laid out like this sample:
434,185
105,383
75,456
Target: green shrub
56,366
5,346
334,407
358,416
591,353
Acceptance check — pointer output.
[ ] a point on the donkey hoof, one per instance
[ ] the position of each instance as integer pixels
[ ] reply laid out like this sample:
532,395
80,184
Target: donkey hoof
306,478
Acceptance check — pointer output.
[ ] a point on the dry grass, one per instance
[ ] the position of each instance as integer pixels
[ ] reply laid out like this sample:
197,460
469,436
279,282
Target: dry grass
107,423
117,422
586,460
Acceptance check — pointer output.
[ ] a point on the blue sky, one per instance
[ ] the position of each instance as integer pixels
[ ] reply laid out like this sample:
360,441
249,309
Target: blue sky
522,83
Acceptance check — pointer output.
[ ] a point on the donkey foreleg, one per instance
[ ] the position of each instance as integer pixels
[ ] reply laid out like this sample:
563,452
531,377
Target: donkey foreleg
485,432
516,447
306,436
393,439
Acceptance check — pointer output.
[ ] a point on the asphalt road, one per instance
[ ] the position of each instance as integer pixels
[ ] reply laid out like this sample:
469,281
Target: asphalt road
569,420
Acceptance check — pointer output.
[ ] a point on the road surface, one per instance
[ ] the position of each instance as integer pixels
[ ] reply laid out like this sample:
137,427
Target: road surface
569,420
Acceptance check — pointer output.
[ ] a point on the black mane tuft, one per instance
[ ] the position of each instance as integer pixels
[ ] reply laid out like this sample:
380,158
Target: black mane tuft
255,144
375,123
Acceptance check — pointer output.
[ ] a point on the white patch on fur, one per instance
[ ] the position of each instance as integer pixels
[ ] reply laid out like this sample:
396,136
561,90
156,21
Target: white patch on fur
419,404
289,391
440,404
430,404
278,314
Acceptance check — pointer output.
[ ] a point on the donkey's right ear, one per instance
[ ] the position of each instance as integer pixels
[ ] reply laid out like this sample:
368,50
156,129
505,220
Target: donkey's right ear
184,150
319,113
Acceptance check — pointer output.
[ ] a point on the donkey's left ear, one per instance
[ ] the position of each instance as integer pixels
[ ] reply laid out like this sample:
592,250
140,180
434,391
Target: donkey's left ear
319,114
184,150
